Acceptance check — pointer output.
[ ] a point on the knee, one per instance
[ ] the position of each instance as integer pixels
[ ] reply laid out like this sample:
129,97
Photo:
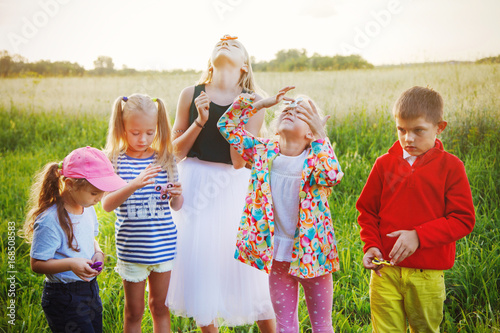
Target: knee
134,312
158,307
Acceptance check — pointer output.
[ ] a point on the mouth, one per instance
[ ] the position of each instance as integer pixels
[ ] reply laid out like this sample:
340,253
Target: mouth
407,148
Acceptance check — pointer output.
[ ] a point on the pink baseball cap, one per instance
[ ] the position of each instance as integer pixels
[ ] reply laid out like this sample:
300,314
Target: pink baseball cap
91,164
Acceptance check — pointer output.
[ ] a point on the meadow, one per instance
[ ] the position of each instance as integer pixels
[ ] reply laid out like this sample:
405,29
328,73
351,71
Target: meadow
43,119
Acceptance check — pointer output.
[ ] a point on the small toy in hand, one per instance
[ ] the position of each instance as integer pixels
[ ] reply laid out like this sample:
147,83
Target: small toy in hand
97,266
163,190
291,105
379,262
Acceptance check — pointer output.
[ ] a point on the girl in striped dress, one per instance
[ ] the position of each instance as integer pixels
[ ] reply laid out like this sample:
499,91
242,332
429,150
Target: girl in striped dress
140,148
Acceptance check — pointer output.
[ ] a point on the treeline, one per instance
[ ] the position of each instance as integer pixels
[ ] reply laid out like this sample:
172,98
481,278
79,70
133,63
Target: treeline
489,60
297,60
18,66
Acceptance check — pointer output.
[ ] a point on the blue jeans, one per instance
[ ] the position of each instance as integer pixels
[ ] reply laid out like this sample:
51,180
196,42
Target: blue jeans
73,307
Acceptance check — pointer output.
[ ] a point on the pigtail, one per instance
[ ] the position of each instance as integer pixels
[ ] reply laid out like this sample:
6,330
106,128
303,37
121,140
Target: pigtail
162,143
45,192
116,141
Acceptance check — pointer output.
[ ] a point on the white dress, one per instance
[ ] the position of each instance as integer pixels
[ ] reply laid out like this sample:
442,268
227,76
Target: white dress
207,283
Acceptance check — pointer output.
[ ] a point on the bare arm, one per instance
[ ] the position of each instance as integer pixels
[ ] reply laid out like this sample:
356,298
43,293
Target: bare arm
79,266
185,135
114,199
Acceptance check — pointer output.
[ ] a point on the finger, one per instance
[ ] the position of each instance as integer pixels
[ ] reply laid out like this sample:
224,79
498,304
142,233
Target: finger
325,119
313,106
286,98
395,233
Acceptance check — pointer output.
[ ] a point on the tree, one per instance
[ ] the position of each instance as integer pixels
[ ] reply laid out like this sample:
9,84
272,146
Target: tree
104,65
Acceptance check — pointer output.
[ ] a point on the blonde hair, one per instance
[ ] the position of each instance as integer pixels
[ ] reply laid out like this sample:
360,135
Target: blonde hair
117,140
246,81
305,98
419,102
45,192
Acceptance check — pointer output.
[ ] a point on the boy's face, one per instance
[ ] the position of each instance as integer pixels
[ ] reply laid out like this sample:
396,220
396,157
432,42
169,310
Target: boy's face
418,135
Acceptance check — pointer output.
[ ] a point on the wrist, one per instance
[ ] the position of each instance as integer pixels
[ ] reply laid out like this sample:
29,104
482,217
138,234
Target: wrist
199,122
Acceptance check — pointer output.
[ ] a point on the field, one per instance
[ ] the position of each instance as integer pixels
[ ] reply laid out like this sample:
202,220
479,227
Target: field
43,119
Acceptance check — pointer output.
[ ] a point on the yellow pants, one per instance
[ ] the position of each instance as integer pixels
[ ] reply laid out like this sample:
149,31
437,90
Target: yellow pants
407,293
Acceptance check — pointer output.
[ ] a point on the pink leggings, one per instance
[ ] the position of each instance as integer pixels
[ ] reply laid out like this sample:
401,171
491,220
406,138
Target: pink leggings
284,290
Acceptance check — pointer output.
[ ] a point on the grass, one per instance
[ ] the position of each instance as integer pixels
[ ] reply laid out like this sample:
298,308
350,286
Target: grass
42,120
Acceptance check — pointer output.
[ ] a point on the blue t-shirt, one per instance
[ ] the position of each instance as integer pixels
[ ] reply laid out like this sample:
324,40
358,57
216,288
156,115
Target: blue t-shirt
145,232
50,241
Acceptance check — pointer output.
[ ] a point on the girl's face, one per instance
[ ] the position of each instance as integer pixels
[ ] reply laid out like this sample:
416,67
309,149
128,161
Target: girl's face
289,125
84,196
231,50
140,131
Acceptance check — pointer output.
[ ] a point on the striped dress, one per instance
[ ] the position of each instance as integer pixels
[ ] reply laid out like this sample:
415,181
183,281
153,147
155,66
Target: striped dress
144,230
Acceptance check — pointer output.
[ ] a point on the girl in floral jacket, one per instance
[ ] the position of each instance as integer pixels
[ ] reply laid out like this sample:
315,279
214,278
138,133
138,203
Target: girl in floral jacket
286,228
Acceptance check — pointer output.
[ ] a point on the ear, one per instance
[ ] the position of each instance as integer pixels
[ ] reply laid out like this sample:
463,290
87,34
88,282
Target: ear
441,126
68,183
310,136
244,68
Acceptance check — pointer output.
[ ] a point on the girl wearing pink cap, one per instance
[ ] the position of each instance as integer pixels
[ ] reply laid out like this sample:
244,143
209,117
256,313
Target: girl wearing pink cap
62,225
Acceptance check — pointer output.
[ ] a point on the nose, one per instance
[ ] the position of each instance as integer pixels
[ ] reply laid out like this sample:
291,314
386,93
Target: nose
409,137
99,197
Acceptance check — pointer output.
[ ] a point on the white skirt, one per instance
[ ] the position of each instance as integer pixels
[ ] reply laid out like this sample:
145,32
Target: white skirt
207,283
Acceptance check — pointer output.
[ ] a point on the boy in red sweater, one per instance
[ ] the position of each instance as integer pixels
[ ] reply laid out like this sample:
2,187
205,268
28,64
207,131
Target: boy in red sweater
415,204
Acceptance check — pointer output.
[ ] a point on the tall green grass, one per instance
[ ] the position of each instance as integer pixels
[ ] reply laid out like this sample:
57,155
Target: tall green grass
32,136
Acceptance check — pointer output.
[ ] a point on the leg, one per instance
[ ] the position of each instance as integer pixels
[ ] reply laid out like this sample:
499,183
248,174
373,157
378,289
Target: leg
285,297
267,326
319,298
386,301
134,306
158,286
209,329
424,298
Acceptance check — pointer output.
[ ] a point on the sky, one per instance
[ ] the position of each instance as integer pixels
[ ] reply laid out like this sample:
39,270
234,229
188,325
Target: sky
164,34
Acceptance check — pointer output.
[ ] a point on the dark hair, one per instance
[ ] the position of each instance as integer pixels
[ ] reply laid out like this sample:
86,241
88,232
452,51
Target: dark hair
46,192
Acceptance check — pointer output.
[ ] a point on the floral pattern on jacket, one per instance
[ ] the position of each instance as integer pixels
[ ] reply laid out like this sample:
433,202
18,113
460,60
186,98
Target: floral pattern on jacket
314,251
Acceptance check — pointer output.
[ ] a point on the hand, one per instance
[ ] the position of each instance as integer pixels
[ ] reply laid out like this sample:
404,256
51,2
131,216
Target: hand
81,267
405,246
146,176
175,190
273,100
370,254
307,112
202,103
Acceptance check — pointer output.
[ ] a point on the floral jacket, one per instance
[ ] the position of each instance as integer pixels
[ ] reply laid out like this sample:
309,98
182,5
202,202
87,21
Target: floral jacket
314,251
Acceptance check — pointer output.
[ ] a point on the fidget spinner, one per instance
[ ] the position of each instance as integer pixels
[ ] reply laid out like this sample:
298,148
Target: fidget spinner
163,190
228,37
379,262
97,266
290,104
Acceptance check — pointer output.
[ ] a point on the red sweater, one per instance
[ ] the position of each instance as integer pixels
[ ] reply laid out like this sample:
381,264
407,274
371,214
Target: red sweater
432,197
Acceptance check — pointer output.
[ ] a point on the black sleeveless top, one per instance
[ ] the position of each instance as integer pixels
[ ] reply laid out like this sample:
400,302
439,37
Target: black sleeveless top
210,145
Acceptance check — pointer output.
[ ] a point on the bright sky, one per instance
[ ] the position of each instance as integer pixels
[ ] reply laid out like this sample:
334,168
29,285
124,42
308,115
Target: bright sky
155,34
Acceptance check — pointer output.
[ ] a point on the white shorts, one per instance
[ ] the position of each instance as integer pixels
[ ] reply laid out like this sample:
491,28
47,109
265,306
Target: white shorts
132,272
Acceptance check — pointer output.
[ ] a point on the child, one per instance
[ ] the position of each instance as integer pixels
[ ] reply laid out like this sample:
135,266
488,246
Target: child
286,228
207,283
416,203
139,146
63,225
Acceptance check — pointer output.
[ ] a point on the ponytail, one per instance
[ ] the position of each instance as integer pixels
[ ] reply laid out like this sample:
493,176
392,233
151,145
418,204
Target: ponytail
46,192
162,143
116,141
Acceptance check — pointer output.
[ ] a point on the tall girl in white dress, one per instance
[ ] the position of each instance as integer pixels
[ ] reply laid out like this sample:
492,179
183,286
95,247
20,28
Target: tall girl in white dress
207,283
